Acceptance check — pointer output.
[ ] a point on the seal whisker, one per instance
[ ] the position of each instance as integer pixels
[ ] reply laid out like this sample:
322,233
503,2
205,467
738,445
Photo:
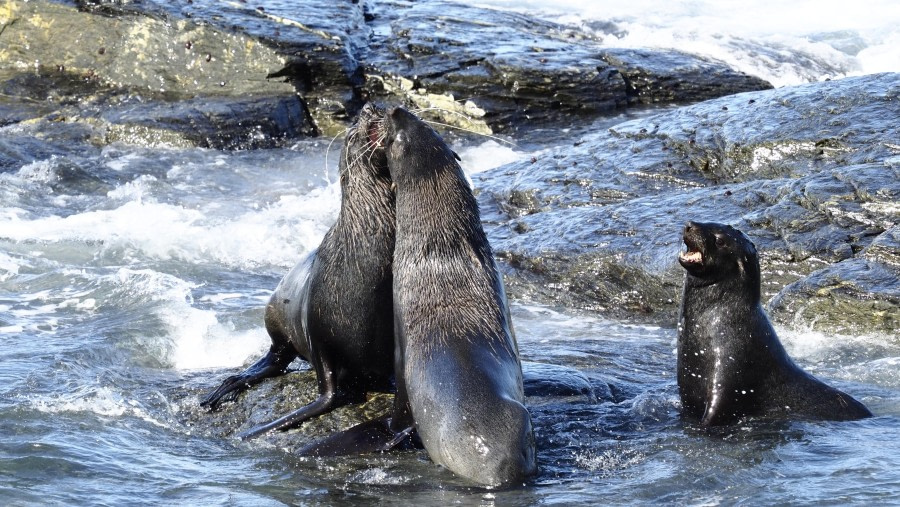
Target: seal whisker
489,136
328,148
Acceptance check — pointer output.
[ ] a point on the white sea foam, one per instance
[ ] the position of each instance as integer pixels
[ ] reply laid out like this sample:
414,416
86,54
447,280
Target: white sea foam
195,338
278,234
101,401
783,42
487,155
608,463
816,346
9,267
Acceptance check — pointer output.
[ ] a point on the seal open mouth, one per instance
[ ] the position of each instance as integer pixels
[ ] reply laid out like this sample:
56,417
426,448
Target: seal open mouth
690,257
693,256
376,134
371,121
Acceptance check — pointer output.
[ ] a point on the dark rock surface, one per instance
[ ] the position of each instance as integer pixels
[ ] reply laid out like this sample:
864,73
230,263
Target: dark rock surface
202,70
268,401
810,173
517,69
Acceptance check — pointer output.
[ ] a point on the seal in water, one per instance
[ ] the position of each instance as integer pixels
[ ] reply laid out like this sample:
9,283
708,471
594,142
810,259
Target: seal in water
334,309
730,361
458,371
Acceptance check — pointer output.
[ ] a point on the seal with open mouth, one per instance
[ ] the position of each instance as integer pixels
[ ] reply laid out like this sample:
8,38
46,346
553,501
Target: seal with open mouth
730,362
334,309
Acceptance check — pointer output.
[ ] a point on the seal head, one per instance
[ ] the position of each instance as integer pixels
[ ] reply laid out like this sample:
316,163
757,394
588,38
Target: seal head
717,252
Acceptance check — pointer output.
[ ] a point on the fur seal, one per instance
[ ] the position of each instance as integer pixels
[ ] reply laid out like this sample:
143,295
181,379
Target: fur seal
459,378
334,308
730,362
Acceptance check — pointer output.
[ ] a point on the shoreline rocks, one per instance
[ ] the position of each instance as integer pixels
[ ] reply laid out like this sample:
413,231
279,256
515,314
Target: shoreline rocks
486,70
809,172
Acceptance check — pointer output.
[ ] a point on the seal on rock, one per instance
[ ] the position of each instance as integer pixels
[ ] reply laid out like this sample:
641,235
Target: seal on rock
730,362
459,378
334,309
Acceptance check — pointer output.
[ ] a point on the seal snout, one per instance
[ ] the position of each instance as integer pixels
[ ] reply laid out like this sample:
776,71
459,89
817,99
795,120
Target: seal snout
693,240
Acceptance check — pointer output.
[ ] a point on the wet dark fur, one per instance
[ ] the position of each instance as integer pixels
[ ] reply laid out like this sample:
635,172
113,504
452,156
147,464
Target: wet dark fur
458,374
730,361
334,309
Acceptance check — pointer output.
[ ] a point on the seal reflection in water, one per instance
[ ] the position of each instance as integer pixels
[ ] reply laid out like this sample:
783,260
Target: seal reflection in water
334,309
458,373
730,361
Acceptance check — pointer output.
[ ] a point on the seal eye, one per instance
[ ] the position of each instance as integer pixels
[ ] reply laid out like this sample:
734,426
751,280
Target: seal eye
720,241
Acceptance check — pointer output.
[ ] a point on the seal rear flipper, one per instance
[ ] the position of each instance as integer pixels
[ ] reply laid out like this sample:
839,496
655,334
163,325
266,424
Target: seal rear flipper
365,438
322,405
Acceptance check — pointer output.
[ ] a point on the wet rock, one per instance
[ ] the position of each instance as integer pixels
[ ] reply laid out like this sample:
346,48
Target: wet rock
806,172
543,380
63,99
509,69
307,47
268,401
856,296
147,80
273,398
207,123
512,71
153,55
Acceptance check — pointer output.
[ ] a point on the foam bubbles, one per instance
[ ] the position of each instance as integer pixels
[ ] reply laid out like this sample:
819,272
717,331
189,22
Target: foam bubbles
101,401
9,267
194,337
487,155
608,463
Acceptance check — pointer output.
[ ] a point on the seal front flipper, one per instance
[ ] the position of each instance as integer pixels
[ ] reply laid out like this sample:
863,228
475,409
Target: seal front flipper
274,363
322,405
330,398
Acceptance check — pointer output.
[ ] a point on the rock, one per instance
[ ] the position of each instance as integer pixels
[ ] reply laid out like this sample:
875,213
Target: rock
155,56
543,380
512,70
207,123
268,401
309,47
805,171
855,296
204,70
145,80
544,384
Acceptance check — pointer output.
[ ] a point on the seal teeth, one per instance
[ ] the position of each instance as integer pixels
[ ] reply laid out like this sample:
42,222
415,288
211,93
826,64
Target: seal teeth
693,257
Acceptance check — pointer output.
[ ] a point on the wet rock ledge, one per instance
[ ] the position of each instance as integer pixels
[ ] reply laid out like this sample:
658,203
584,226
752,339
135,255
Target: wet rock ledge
229,74
811,173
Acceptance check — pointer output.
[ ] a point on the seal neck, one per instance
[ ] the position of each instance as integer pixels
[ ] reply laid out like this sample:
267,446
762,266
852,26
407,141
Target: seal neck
441,212
710,291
